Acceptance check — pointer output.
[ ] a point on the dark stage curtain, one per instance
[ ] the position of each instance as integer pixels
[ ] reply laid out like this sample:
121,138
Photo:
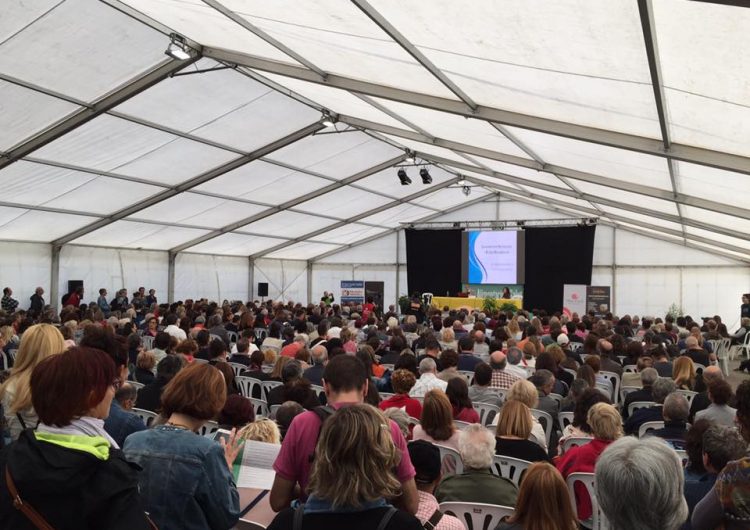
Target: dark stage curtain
554,257
434,261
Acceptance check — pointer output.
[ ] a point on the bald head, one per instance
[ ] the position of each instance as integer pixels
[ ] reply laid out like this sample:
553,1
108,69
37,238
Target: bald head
712,373
691,343
498,360
479,336
605,346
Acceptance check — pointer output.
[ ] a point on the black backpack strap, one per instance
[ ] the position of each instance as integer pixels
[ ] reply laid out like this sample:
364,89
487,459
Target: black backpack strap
298,514
387,518
433,521
323,413
20,418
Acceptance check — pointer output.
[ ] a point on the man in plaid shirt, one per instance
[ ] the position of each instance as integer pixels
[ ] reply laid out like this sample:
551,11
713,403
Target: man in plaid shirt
500,378
8,303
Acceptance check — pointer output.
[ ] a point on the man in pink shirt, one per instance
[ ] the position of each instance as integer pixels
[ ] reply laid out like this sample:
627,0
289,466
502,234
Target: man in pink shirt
345,382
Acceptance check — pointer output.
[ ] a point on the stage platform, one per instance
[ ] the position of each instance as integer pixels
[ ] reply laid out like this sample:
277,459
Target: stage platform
455,302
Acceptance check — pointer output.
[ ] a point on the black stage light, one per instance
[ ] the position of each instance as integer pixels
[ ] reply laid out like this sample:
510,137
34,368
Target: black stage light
426,178
466,190
403,177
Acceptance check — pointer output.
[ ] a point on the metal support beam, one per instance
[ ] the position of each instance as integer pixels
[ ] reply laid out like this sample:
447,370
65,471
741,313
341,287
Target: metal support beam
172,258
392,230
250,279
559,171
614,268
195,181
586,197
127,91
54,281
362,215
291,203
648,27
309,282
398,267
630,142
412,50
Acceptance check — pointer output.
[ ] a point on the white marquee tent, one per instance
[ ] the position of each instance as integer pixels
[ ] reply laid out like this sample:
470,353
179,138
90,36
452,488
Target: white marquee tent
122,166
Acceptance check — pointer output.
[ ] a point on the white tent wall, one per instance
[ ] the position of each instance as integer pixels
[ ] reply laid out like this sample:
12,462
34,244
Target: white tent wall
113,269
287,279
23,268
216,278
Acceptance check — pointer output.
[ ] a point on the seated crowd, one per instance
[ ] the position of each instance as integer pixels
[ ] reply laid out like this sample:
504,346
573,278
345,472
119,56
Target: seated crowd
110,411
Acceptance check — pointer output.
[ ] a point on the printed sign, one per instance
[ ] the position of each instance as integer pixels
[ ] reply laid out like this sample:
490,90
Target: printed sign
574,299
352,292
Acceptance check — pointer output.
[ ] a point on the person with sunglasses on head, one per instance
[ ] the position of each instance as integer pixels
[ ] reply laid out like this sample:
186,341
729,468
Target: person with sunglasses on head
69,473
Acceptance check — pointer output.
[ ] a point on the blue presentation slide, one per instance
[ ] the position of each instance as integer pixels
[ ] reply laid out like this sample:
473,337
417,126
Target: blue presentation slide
493,257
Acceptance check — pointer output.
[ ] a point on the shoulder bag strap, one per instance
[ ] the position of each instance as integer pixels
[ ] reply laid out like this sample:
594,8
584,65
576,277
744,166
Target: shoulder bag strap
433,521
387,518
18,503
298,514
20,418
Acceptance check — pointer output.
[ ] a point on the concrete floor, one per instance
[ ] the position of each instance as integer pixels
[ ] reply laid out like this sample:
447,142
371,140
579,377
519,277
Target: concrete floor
735,378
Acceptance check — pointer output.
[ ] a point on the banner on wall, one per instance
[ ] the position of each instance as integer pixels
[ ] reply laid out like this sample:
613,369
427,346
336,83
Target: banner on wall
598,300
493,291
352,292
574,299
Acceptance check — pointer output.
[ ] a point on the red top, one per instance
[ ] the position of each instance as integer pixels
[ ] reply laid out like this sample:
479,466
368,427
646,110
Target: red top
582,459
412,406
73,300
466,414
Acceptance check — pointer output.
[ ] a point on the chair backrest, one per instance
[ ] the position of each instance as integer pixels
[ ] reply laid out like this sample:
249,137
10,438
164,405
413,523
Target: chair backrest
683,456
247,385
213,337
477,516
387,366
689,395
546,421
565,418
621,358
412,421
461,425
487,412
451,460
556,397
261,407
272,410
232,336
319,391
597,521
260,335
575,346
571,372
199,361
632,368
699,368
238,368
147,416
635,405
649,426
209,428
510,468
613,378
574,441
481,348
468,375
266,387
530,370
385,395
244,524
147,341
136,385
625,390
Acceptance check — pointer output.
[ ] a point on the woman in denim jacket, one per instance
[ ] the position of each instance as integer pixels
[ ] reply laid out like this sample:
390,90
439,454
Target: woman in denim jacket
187,482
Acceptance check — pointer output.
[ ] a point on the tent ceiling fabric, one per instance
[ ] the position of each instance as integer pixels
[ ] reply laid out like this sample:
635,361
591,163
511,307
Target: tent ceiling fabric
632,111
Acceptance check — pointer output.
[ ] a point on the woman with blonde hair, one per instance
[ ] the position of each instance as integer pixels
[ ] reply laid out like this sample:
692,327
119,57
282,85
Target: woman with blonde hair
606,426
39,342
514,330
683,373
278,368
437,421
525,392
543,502
261,430
448,339
351,477
513,432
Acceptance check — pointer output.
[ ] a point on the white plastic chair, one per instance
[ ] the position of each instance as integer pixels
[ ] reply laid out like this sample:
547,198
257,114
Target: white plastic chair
565,418
530,370
575,346
261,407
238,368
741,348
689,395
196,360
266,387
698,368
461,425
649,426
625,390
598,521
209,428
232,337
147,416
247,385
468,375
451,460
147,341
574,441
635,405
546,421
487,412
556,397
632,368
136,385
613,378
510,468
477,516
319,391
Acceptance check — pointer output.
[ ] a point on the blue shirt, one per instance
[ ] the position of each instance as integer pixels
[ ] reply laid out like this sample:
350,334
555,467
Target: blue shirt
185,483
120,423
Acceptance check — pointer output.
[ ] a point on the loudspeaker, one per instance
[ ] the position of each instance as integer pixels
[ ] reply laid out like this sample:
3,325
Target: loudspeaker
74,284
262,289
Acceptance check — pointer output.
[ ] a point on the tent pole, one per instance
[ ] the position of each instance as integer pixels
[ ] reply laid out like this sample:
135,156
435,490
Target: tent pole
309,281
54,284
170,277
398,267
250,279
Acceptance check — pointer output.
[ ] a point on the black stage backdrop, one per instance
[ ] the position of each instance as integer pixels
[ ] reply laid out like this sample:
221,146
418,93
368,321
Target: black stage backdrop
554,257
433,260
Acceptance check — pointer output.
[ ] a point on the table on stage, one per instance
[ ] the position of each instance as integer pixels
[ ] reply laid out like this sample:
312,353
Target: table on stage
456,302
